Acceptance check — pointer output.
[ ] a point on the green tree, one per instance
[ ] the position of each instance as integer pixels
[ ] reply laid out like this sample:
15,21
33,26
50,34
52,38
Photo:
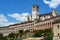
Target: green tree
1,36
38,33
26,31
5,38
11,36
48,34
21,32
16,36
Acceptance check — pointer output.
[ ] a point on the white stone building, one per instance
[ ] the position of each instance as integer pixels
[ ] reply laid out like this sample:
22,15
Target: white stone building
36,21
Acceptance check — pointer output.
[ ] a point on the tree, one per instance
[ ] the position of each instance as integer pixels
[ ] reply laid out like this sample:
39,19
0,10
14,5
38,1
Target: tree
5,38
48,34
38,33
26,31
1,36
21,32
11,36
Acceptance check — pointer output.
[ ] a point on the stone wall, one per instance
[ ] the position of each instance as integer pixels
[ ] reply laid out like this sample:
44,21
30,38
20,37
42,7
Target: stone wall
56,38
34,38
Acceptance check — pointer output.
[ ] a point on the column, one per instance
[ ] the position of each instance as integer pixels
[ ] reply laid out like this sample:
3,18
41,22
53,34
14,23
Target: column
47,25
51,24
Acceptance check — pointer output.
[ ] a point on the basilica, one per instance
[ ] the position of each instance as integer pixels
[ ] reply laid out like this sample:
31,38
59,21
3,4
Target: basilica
36,21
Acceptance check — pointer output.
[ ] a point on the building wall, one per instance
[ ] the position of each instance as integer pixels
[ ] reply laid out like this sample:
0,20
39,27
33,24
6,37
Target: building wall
28,26
56,29
34,38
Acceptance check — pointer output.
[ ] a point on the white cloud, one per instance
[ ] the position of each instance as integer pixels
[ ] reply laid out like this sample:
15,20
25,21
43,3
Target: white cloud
25,14
20,17
4,21
47,2
52,3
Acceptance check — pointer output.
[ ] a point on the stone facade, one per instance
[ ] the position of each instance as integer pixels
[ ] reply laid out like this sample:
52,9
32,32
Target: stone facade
34,22
56,31
37,16
34,38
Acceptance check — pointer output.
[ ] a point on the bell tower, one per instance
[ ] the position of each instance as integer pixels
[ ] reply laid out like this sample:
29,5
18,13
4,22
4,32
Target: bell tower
35,12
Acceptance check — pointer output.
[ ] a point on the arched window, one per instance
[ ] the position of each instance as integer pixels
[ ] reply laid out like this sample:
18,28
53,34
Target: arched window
58,26
33,6
58,34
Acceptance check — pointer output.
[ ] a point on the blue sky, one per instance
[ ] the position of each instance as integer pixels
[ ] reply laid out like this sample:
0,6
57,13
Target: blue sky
14,11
